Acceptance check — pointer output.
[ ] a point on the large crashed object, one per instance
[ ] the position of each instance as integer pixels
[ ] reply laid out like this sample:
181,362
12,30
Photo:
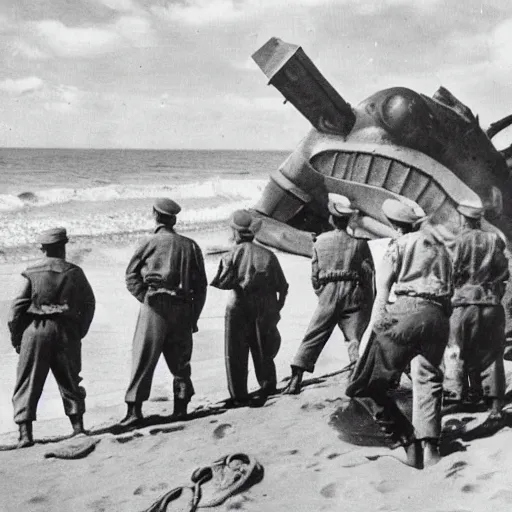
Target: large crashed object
397,143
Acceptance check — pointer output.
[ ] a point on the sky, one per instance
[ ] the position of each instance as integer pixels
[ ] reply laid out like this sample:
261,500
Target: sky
173,74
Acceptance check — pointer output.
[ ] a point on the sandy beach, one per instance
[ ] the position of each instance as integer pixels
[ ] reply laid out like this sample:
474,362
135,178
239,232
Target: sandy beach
307,466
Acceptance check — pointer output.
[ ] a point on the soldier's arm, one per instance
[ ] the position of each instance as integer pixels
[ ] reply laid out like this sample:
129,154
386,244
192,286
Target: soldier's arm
315,270
385,278
368,268
133,278
18,319
501,261
282,284
200,283
88,305
224,278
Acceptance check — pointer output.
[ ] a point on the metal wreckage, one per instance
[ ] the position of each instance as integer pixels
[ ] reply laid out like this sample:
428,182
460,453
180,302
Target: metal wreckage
395,144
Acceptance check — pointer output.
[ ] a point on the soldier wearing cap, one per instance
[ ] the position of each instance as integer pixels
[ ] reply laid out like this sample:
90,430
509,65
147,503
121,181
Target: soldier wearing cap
412,330
474,357
48,320
167,276
258,292
342,277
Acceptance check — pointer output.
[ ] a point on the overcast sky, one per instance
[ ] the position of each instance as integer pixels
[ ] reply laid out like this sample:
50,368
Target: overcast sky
178,73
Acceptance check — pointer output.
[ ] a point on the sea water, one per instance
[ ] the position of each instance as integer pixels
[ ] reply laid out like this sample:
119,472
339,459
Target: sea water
95,192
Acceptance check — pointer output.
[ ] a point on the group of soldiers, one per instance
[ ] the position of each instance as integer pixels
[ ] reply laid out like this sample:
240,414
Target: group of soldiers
428,308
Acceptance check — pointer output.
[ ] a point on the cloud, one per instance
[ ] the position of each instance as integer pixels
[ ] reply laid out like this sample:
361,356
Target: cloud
52,37
120,5
74,42
500,43
21,85
208,12
23,48
199,12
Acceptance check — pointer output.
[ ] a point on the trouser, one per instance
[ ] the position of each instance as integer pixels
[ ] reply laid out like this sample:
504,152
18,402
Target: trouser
413,331
331,311
46,345
251,326
165,327
474,357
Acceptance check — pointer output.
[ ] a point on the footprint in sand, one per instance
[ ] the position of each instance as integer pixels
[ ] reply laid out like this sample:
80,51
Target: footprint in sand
128,437
503,495
487,476
469,488
456,468
37,499
329,491
221,431
387,486
166,430
312,406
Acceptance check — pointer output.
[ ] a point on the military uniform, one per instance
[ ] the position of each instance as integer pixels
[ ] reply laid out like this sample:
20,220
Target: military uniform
47,322
474,357
342,277
414,329
167,276
256,279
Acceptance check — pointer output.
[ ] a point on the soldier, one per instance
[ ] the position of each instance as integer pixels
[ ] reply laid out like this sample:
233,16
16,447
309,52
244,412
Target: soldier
48,320
474,357
259,290
414,329
342,277
167,276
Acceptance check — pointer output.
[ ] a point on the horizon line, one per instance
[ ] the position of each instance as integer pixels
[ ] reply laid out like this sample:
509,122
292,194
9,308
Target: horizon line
142,149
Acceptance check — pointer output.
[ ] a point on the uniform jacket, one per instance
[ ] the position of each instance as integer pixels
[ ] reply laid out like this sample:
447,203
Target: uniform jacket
480,268
422,266
168,263
54,288
251,268
338,257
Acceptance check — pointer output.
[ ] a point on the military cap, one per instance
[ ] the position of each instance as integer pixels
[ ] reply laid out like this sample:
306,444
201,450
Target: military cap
470,210
166,206
243,221
340,206
400,212
53,236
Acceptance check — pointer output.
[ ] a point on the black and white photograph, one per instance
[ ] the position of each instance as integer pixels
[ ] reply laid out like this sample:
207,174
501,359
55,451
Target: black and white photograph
255,255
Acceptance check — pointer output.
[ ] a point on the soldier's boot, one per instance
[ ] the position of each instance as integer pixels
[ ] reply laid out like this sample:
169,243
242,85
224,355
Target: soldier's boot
25,438
295,384
180,408
431,453
415,455
133,415
77,422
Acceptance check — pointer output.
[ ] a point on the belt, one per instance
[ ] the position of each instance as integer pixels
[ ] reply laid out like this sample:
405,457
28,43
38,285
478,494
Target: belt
442,301
48,309
175,293
334,276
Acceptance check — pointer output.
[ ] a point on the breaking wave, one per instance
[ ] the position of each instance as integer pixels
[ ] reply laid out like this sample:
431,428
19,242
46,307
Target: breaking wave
119,209
221,188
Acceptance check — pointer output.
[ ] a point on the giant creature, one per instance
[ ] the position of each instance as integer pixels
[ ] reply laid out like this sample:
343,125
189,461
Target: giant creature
396,143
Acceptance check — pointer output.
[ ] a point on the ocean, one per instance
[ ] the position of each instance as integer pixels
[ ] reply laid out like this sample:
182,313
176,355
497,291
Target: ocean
96,192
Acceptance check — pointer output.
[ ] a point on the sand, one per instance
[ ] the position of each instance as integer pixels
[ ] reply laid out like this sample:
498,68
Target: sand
307,466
